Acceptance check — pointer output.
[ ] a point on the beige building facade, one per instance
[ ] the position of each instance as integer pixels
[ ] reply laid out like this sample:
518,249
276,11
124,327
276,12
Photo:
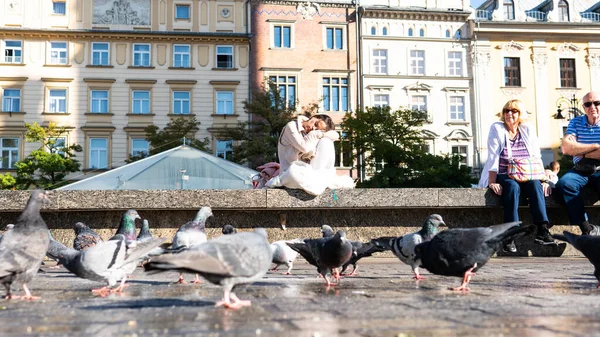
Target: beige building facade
107,69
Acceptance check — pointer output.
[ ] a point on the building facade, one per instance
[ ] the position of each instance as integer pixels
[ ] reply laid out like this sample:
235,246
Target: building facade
107,69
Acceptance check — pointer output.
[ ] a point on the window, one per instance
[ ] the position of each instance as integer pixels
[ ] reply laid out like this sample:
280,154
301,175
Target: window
100,54
98,153
99,101
410,32
286,85
10,152
140,147
380,61
417,62
373,31
334,38
181,102
512,72
458,34
225,57
567,73
419,103
282,36
57,102
141,55
335,94
563,11
381,101
57,145
343,153
509,9
224,102
455,63
181,56
447,32
59,8
58,52
140,102
421,32
11,100
224,149
384,31
13,51
182,12
460,150
457,108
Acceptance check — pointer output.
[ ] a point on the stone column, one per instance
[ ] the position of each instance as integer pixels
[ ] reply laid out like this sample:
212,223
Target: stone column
542,110
482,89
593,60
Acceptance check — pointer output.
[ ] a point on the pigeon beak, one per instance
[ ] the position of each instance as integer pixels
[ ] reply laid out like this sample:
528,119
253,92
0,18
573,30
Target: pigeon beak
443,224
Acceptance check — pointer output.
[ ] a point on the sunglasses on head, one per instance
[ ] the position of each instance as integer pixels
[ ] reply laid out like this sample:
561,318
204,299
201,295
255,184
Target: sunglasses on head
589,104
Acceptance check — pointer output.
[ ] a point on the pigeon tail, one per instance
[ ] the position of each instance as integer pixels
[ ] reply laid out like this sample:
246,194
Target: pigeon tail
511,233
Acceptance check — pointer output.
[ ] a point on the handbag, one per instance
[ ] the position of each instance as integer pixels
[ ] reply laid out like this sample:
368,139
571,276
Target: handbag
587,166
524,169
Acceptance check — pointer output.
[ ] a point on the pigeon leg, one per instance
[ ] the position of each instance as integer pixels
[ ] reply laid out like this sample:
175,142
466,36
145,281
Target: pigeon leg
328,282
181,280
289,271
354,271
104,291
8,295
466,279
197,280
231,301
28,295
239,302
417,275
122,286
274,268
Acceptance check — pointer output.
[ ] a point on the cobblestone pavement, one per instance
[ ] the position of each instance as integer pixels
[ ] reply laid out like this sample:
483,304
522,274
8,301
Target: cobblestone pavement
509,297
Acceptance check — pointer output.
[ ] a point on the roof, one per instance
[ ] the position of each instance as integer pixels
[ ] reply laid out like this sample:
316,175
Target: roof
182,167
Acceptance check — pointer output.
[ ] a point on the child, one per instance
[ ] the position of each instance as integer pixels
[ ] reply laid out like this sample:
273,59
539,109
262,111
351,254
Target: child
552,173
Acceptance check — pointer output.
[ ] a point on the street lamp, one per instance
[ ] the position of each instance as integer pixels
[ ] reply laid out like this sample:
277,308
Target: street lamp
183,177
572,108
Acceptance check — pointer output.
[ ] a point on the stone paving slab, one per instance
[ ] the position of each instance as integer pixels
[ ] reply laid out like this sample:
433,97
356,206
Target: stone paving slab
508,297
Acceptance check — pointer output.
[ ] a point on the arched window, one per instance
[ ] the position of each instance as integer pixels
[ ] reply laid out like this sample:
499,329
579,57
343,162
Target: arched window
422,32
373,31
384,31
509,9
447,32
563,11
410,32
458,34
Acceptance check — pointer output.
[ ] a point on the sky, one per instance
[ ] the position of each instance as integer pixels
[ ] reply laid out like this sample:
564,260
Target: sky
476,3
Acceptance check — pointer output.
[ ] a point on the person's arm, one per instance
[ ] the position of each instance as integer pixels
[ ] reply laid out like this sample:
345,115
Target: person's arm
325,155
571,147
293,137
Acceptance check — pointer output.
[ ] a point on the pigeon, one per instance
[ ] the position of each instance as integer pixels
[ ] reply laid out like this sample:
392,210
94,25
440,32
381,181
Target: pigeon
359,251
145,234
85,237
327,231
54,248
325,253
462,251
228,229
8,227
404,247
283,254
588,245
228,260
23,248
108,261
190,234
127,225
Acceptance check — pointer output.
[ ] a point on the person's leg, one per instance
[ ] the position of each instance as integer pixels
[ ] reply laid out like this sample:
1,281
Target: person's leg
537,206
511,192
569,187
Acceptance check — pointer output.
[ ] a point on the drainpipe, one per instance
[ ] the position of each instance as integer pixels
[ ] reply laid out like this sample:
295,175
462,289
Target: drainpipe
250,63
359,81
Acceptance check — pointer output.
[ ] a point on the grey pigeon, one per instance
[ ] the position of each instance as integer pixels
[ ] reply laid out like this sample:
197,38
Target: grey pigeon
54,248
23,248
462,251
108,261
127,225
365,249
228,229
325,253
190,234
404,247
8,227
327,231
587,244
145,234
283,254
229,260
85,237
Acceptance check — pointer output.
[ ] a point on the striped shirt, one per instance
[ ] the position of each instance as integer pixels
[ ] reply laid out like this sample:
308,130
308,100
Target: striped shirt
583,132
519,151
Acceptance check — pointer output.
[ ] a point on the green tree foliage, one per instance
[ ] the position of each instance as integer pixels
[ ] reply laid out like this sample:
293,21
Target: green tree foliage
395,138
47,166
172,136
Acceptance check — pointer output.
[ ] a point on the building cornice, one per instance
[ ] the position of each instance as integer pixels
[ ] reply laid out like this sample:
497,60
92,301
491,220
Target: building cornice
56,79
333,4
535,28
418,14
99,80
13,79
139,81
224,82
183,82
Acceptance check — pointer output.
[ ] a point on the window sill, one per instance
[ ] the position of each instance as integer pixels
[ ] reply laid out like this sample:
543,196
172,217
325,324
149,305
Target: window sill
56,113
181,115
568,88
224,115
11,64
183,20
140,115
98,66
182,68
140,67
334,50
457,123
95,170
2,170
282,48
99,114
57,65
13,113
225,69
513,87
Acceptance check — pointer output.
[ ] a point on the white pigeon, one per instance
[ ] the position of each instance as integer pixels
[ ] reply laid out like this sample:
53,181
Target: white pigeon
190,234
283,254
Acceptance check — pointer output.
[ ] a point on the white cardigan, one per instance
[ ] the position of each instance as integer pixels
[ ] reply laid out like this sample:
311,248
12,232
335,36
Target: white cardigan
497,142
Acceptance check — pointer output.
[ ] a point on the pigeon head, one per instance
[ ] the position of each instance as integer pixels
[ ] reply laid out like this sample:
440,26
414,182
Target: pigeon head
327,231
145,225
132,214
261,231
430,227
80,227
228,229
203,214
9,227
340,235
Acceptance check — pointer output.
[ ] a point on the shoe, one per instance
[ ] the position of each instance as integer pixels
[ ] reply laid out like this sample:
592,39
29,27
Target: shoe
544,238
594,232
509,247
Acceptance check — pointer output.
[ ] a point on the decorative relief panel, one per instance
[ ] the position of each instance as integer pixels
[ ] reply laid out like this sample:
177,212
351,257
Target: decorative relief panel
78,52
122,12
121,53
243,56
203,55
308,10
161,54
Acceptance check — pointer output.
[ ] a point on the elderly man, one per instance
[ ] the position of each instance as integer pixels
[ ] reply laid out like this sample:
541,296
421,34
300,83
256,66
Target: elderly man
582,140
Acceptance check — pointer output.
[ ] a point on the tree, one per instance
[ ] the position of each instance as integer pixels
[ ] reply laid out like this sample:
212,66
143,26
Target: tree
394,138
48,166
172,136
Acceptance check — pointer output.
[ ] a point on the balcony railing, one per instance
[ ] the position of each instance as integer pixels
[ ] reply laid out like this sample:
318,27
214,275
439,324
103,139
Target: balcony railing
483,15
537,15
592,16
12,59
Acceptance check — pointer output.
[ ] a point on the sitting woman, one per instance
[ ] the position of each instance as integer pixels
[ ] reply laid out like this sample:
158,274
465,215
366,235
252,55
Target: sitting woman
511,137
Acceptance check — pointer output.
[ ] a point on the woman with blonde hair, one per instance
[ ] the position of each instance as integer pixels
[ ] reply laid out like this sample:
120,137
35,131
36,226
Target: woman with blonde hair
508,137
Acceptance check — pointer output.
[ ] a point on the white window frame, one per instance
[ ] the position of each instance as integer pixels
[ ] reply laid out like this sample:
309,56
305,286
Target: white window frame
381,100
144,57
179,104
417,62
453,108
286,84
8,102
58,54
455,64
225,105
100,55
96,153
54,12
59,147
136,149
334,46
184,58
137,103
221,52
13,59
465,155
331,84
54,101
418,102
189,12
97,103
380,61
10,153
223,148
282,26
